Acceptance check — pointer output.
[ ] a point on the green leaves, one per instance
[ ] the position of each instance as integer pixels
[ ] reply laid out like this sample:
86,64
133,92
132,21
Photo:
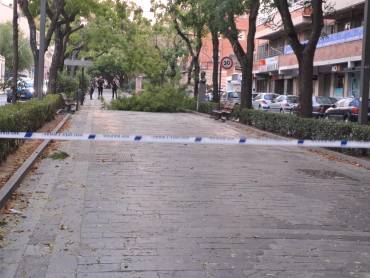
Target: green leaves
6,48
28,116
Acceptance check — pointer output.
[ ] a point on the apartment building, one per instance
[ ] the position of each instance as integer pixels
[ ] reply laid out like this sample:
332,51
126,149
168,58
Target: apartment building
230,79
338,56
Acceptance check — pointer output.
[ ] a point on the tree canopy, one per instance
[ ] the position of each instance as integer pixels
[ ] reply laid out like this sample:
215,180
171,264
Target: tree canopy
6,48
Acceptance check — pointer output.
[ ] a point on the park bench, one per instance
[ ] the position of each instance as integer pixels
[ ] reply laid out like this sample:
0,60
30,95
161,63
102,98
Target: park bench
225,112
68,102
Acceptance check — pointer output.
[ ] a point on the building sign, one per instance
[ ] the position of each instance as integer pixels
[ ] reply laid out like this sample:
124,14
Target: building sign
269,64
337,38
336,68
78,63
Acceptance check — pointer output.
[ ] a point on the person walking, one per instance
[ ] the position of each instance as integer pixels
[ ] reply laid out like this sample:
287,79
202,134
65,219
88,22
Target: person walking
114,88
92,88
100,87
81,96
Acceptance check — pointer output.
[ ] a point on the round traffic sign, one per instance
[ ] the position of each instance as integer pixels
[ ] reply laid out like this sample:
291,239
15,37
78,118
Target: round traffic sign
227,63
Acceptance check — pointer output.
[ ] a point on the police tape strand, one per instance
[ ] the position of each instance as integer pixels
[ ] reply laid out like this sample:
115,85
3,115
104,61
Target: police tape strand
183,140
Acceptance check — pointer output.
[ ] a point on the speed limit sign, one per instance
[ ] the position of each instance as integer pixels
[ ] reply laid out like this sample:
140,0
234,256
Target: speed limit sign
227,63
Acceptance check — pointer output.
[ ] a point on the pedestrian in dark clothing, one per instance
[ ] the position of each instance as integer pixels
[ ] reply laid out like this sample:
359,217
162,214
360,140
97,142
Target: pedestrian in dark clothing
92,89
100,87
114,88
81,96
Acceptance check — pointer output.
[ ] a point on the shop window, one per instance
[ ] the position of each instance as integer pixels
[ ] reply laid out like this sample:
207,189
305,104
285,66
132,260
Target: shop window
339,85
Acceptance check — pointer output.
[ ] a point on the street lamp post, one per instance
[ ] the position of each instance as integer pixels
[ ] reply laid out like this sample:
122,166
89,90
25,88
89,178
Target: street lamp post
365,67
40,77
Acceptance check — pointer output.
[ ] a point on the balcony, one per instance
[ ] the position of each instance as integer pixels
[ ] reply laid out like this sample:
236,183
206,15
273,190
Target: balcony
267,65
271,27
336,38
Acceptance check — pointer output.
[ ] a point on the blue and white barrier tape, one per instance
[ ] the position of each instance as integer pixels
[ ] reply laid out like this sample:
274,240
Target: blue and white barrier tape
183,140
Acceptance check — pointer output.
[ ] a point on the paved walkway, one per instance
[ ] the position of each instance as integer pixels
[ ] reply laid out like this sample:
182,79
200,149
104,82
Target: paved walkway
128,210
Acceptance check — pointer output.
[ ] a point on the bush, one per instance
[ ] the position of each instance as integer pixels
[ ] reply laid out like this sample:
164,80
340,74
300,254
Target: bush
207,107
156,99
312,129
29,116
67,84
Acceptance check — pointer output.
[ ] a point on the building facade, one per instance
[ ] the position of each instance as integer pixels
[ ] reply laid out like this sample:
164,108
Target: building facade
338,55
337,60
230,78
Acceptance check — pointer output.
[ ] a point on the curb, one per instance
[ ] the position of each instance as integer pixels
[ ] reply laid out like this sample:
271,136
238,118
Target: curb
19,175
340,156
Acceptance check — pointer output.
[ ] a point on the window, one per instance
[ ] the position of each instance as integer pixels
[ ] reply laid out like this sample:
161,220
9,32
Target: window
262,52
341,102
276,47
279,99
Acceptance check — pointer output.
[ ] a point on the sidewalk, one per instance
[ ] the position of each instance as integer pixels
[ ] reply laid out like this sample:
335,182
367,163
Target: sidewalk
155,210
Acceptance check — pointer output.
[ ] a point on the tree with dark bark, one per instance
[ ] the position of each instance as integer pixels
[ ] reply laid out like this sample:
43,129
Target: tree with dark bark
304,51
189,21
62,36
213,24
15,52
228,13
54,11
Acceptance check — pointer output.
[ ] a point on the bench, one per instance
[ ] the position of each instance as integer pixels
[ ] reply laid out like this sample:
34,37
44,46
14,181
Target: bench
68,102
225,112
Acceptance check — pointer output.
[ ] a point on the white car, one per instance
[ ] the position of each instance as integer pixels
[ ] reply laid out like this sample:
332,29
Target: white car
263,100
233,97
284,104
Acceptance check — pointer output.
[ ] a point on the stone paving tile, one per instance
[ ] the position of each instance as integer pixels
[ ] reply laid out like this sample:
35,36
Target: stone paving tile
142,211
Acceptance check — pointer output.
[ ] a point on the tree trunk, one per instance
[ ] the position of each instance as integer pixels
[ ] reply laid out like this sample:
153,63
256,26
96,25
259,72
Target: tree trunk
36,70
244,87
55,63
216,49
196,76
306,84
15,51
190,70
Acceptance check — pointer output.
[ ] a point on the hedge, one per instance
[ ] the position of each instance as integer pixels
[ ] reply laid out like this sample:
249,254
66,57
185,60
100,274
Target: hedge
313,129
28,116
207,107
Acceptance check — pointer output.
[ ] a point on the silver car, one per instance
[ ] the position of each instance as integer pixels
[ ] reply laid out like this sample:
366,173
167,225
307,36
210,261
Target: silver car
263,100
284,104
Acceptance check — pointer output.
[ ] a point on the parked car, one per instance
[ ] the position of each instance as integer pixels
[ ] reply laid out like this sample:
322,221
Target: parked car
233,97
346,109
263,100
254,95
320,104
284,104
25,90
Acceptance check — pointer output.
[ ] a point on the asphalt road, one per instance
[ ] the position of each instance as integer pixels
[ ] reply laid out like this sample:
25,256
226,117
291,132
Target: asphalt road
155,210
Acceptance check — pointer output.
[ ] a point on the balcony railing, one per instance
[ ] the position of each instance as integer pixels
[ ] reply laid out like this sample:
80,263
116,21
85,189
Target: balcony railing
336,38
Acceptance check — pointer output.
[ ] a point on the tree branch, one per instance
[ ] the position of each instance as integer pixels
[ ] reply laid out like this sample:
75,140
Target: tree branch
184,37
24,5
317,24
283,8
233,36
